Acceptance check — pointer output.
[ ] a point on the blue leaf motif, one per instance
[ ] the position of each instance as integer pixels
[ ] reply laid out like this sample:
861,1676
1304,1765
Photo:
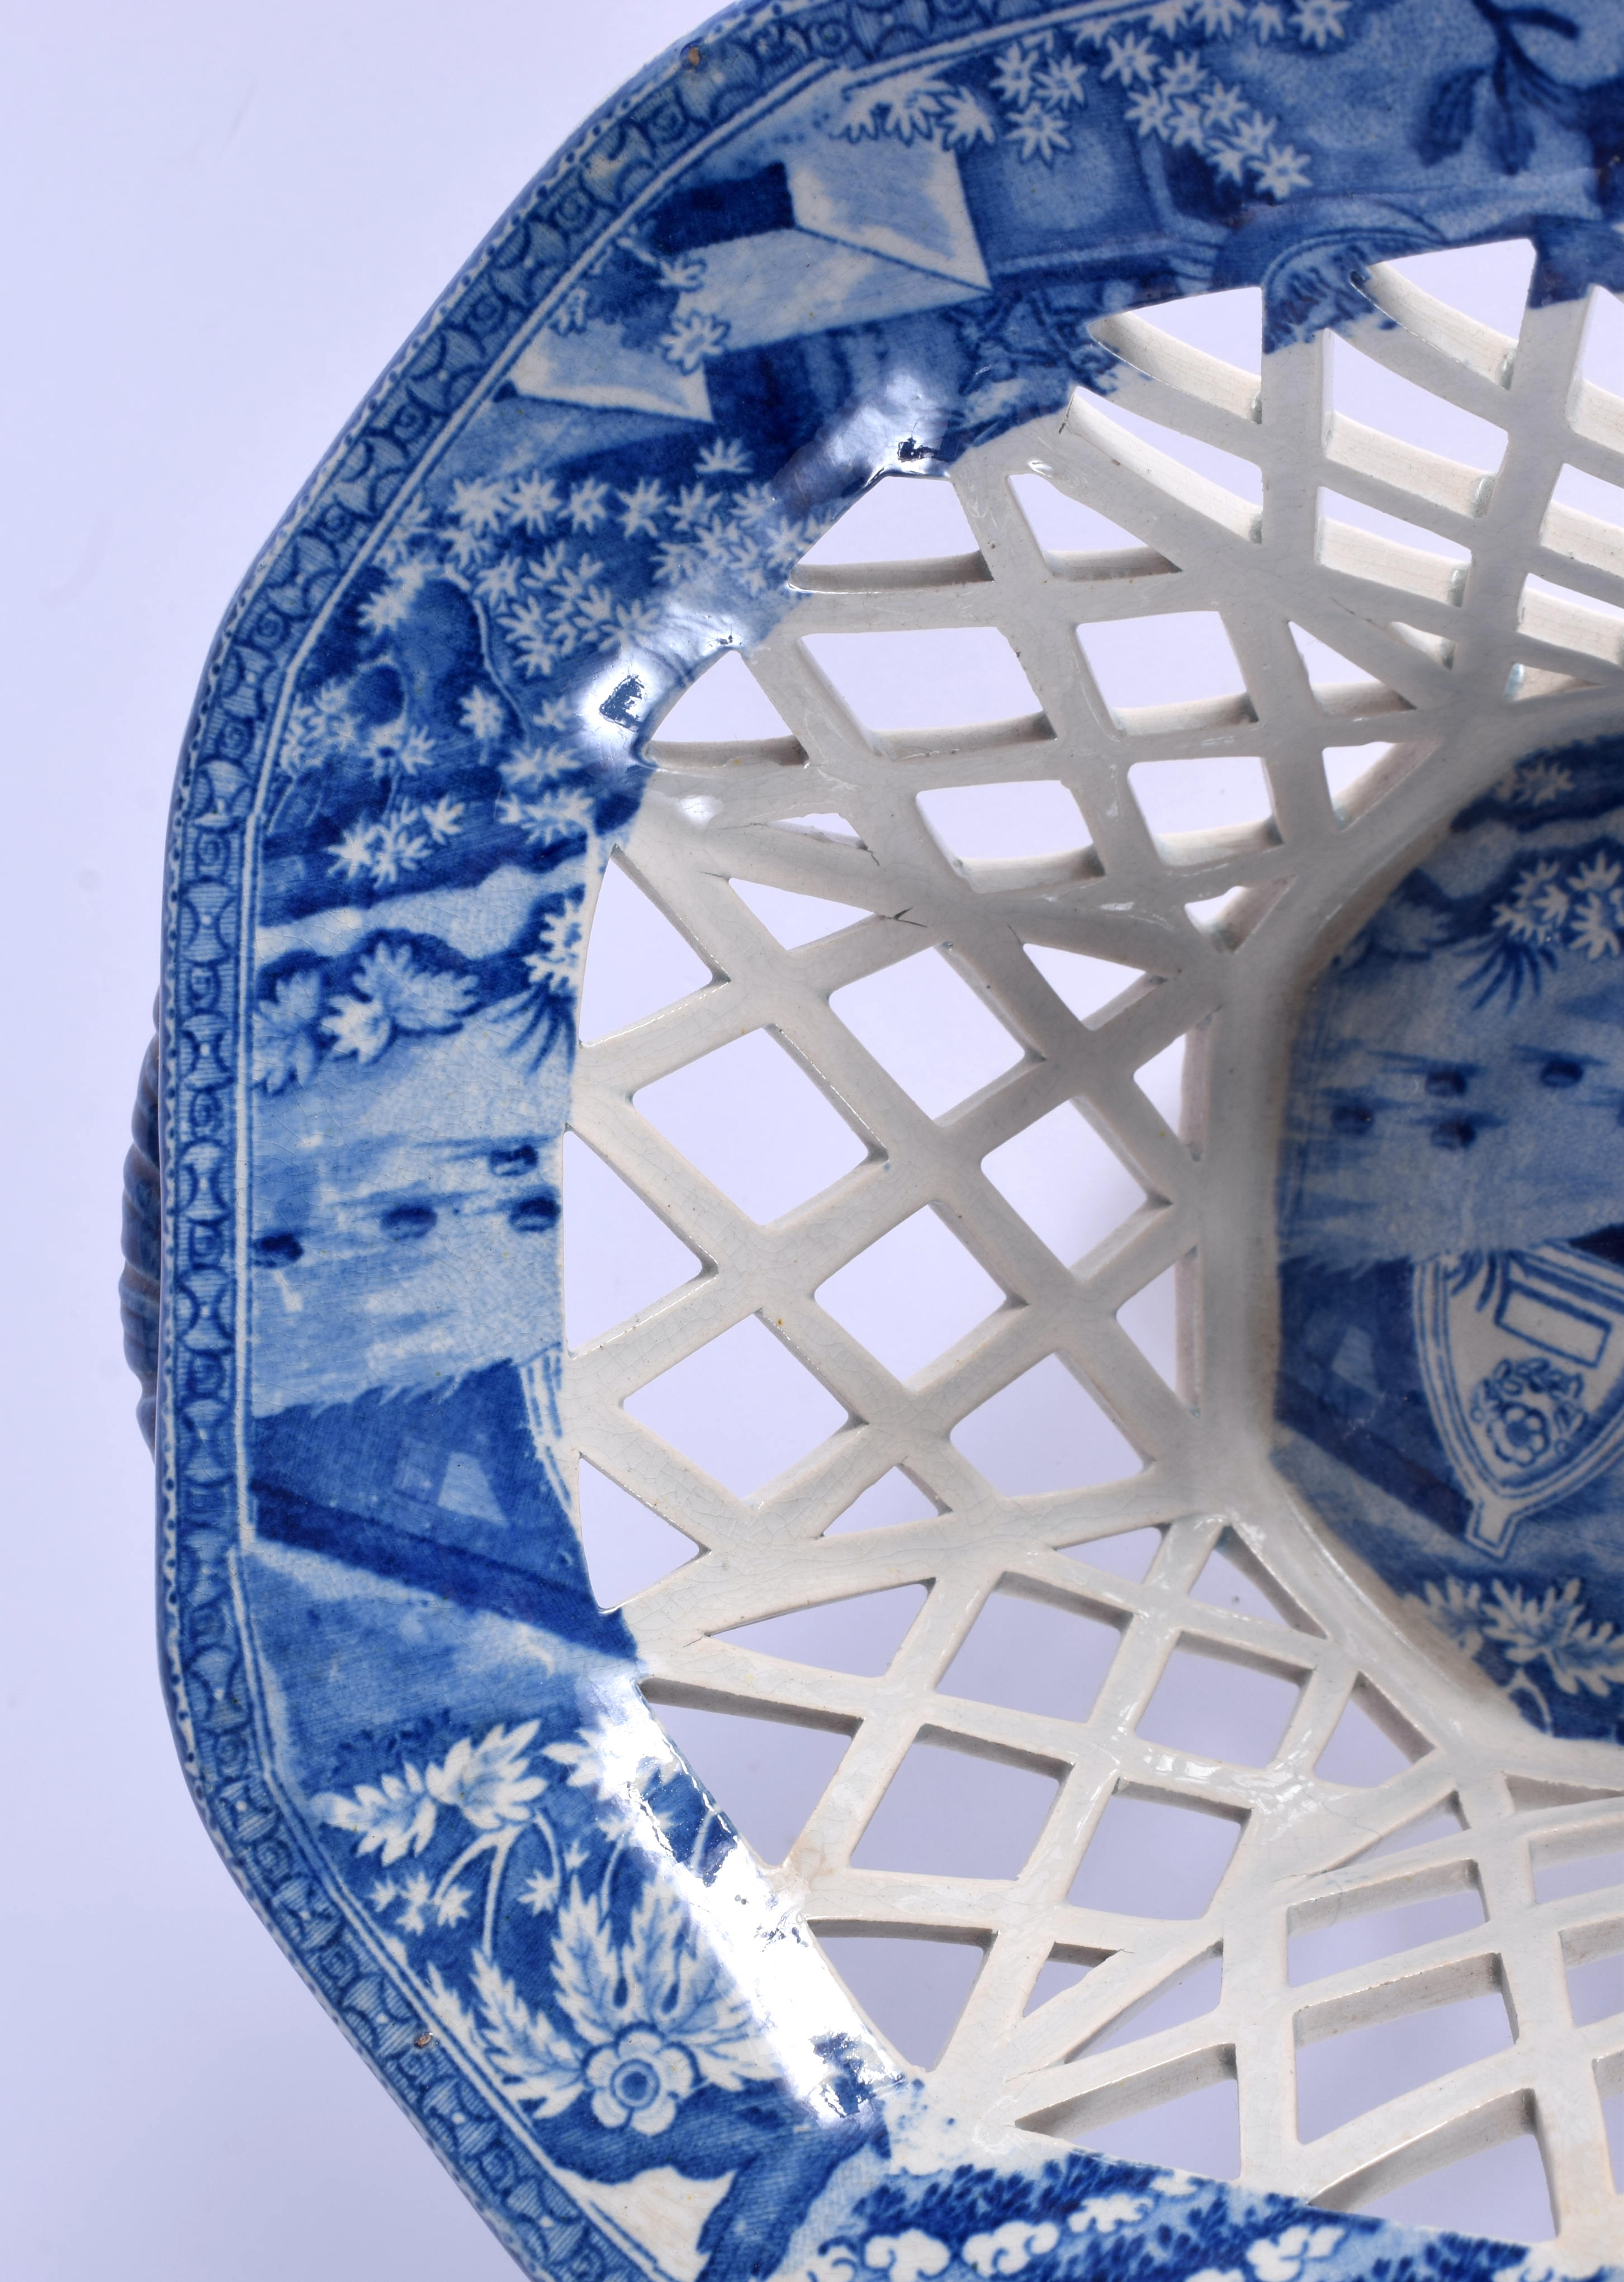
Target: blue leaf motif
600,1998
1448,115
1511,128
541,2066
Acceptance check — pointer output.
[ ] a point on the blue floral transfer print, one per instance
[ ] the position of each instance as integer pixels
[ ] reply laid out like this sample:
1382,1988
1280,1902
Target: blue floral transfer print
1450,1210
825,241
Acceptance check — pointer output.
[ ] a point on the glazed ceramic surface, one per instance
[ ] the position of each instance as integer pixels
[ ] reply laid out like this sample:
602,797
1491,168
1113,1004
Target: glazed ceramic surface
823,244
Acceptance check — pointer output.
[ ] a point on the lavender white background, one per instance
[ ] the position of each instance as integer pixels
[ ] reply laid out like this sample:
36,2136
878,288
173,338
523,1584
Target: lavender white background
224,219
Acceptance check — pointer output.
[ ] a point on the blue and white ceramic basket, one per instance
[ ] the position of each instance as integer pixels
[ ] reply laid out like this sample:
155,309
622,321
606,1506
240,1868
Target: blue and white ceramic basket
830,255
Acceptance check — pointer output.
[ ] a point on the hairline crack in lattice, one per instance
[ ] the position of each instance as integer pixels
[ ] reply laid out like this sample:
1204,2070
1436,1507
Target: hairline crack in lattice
803,252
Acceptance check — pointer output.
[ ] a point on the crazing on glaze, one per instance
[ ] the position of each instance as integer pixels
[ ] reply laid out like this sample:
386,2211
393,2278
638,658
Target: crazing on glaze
823,242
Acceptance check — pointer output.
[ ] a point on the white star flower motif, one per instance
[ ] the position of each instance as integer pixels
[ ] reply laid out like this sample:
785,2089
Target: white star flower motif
1268,20
643,507
756,502
1252,132
532,504
966,121
417,1899
1167,15
540,1891
1186,128
1060,82
499,582
414,522
1320,21
388,609
1148,111
677,560
481,714
692,506
1551,903
529,630
1039,134
443,819
451,1907
1279,171
396,849
481,506
534,765
1184,73
1600,873
1222,106
1220,16
1593,931
693,339
685,274
562,814
913,107
1016,68
727,456
352,853
1578,1652
414,751
588,505
466,549
634,624
360,1027
1129,59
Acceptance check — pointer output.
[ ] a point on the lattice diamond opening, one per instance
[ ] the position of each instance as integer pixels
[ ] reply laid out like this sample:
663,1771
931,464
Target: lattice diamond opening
884,1504
1380,683
951,1812
754,1124
742,1407
859,1633
911,1295
628,1546
655,966
1044,1431
1090,988
1188,1996
1051,1656
792,919
1144,667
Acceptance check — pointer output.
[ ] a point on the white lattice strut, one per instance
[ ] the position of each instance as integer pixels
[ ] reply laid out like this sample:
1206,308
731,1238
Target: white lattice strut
1466,672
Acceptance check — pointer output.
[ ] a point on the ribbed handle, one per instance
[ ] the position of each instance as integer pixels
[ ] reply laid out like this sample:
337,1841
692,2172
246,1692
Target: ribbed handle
138,1285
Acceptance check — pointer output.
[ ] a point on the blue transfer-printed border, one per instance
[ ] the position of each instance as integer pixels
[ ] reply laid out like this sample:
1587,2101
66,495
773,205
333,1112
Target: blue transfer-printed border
745,59
196,1132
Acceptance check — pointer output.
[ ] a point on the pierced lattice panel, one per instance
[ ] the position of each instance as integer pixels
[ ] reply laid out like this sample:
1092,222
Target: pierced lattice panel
1455,667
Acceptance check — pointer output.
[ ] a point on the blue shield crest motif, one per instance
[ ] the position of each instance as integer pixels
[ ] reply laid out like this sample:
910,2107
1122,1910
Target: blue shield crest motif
1522,1357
